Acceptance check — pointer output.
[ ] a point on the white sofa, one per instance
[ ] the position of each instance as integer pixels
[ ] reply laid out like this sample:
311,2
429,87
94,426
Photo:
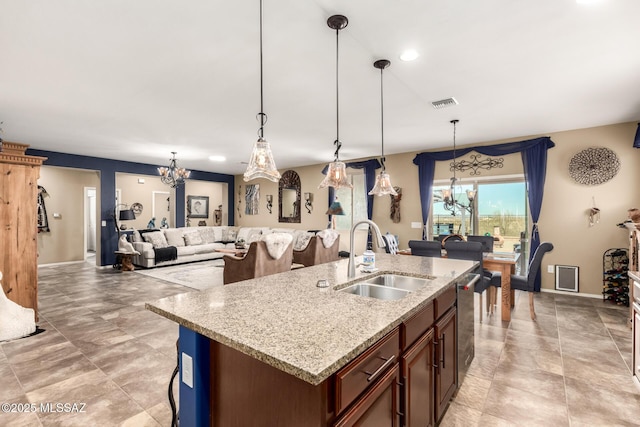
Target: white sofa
200,243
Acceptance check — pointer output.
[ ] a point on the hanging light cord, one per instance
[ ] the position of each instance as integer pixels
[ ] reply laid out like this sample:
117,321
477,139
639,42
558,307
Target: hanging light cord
337,142
453,182
261,116
382,159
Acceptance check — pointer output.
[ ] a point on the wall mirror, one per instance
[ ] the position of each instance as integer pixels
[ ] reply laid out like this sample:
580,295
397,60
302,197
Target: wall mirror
289,197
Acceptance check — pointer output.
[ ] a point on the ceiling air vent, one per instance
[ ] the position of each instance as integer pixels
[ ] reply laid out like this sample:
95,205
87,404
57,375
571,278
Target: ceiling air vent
444,103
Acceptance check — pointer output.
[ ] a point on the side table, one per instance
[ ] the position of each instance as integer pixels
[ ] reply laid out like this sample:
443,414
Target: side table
124,261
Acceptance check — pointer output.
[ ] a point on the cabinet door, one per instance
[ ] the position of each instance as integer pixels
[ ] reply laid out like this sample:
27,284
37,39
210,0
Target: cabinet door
445,350
418,382
378,407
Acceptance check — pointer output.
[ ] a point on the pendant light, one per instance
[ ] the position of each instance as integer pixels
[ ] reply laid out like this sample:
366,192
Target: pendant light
337,172
261,164
383,182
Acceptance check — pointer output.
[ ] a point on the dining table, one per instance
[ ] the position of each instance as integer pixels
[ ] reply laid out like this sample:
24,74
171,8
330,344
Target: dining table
505,263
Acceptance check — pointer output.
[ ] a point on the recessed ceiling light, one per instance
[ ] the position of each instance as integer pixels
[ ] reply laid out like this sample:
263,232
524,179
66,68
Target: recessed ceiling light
587,1
217,158
409,55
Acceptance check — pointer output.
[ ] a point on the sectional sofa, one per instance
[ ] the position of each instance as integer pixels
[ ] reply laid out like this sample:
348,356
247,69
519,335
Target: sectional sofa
187,244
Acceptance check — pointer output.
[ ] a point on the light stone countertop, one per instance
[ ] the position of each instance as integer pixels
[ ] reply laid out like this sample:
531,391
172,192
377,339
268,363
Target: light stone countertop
287,322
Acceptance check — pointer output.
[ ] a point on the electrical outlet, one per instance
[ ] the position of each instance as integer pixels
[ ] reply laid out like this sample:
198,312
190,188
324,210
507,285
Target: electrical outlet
416,225
550,268
187,370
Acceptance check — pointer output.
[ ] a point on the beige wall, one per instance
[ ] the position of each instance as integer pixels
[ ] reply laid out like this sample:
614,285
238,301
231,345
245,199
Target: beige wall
217,193
140,189
563,219
65,242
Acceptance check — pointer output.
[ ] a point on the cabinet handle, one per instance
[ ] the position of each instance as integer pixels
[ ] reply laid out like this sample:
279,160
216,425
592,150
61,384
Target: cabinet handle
384,366
443,347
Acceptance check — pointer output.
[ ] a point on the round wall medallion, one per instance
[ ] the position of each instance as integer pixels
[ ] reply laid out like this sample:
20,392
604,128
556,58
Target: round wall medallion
594,166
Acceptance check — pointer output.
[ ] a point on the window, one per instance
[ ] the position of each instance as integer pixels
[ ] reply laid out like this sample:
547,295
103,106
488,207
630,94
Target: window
353,202
500,209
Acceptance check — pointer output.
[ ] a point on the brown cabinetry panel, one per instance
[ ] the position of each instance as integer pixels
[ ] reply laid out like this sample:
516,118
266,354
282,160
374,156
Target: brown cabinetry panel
444,301
18,224
418,383
378,407
361,372
416,325
446,350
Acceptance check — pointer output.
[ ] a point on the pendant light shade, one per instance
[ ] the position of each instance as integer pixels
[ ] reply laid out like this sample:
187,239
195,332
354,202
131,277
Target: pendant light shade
261,164
336,176
337,171
383,181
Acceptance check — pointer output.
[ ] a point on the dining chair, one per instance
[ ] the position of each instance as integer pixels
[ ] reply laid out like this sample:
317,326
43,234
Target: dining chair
429,248
487,242
487,247
471,251
391,244
526,283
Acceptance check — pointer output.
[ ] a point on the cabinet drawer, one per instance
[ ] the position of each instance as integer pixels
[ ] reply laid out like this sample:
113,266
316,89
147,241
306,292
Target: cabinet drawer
445,301
416,325
365,369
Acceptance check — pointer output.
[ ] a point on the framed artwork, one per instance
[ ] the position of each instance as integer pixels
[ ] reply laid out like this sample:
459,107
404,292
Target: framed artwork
252,197
198,206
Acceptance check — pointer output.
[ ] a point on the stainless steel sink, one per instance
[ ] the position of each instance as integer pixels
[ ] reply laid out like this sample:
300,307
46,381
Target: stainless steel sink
398,282
376,291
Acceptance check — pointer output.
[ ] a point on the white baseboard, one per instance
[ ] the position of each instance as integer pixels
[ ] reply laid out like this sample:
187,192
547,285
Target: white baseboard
577,294
61,263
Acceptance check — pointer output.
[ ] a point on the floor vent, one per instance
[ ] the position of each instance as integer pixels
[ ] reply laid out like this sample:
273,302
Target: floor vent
567,278
444,103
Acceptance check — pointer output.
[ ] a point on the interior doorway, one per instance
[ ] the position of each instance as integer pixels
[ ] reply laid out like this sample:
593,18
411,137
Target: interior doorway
90,227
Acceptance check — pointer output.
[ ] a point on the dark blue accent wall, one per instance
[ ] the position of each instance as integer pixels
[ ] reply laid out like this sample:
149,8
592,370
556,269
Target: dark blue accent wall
108,169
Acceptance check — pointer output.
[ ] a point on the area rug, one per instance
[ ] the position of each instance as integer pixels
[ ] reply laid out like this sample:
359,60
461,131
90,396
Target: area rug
197,275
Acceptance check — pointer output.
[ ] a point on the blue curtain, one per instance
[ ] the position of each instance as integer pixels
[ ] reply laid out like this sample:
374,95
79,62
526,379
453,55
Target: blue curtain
534,159
636,140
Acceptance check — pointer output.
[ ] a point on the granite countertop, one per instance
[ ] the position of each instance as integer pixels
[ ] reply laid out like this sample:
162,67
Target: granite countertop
286,321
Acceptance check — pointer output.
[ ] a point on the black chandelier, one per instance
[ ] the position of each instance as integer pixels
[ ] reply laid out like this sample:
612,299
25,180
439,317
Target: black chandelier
449,200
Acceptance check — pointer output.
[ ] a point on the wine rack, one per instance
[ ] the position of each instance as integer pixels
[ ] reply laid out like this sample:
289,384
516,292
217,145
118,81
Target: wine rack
615,283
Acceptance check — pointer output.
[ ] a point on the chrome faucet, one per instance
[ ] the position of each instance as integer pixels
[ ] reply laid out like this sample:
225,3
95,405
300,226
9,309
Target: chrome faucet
351,272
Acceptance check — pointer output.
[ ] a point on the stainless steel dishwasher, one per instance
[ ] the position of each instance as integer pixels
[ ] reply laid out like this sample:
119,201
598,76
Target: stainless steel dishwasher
466,317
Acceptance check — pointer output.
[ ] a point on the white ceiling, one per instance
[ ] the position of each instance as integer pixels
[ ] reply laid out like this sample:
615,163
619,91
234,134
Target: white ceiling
135,80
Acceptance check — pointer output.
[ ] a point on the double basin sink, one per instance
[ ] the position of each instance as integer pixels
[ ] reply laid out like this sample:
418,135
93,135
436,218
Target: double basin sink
386,286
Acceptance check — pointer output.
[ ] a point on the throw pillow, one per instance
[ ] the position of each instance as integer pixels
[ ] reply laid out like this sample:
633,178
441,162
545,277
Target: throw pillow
217,231
229,234
157,239
174,237
254,235
136,237
193,238
302,240
207,234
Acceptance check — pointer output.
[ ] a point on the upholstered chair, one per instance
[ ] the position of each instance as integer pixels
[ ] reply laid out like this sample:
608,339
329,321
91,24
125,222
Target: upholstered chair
487,246
472,251
258,262
526,283
430,248
316,252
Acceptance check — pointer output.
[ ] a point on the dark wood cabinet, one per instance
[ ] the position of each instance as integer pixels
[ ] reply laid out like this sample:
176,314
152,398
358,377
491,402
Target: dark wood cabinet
378,407
417,366
446,342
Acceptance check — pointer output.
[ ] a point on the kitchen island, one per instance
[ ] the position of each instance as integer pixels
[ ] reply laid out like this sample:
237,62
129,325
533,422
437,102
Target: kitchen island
279,343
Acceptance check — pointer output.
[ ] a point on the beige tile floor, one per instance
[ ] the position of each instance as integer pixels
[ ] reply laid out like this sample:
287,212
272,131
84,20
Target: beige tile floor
102,348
